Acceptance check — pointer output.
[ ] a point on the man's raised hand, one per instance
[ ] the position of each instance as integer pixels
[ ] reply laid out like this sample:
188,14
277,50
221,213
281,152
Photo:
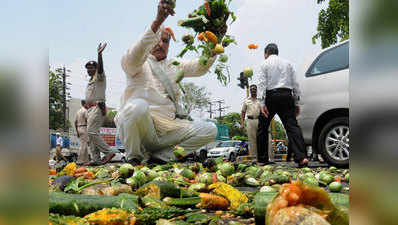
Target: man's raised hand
101,48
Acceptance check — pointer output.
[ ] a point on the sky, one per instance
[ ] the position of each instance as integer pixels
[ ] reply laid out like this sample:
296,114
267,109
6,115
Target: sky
79,26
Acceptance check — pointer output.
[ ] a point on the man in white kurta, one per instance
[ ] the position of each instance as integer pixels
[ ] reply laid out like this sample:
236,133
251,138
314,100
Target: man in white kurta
150,121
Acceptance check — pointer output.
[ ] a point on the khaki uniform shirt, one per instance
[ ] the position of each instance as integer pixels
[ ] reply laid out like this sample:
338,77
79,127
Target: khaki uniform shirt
96,89
251,107
81,116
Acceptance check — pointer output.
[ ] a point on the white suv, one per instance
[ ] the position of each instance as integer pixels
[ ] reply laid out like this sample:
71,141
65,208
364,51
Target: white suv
324,105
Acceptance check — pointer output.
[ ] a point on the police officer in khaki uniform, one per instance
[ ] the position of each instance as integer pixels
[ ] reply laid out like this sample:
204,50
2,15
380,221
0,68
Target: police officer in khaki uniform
252,108
95,99
81,131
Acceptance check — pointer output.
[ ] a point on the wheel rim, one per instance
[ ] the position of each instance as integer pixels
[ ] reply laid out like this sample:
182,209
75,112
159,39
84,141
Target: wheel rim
337,143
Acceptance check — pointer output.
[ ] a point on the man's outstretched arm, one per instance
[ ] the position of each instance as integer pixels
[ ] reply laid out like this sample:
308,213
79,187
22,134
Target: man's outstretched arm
100,66
137,54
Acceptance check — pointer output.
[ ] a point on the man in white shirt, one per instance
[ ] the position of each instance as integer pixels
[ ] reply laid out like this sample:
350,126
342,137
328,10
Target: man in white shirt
58,148
150,120
251,106
278,77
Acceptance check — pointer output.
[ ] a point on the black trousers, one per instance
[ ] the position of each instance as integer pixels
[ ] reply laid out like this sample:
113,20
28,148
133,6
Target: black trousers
280,102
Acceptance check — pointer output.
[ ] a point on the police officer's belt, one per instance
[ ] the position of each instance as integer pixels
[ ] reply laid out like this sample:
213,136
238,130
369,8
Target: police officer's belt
279,90
252,117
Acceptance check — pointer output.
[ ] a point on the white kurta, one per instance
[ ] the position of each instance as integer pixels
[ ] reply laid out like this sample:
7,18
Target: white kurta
146,118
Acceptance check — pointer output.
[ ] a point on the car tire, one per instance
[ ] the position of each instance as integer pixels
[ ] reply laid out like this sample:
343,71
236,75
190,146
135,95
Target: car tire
232,157
202,156
333,145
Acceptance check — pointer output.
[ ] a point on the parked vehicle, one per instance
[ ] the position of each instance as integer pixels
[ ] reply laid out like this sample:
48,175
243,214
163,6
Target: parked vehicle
323,110
226,149
243,148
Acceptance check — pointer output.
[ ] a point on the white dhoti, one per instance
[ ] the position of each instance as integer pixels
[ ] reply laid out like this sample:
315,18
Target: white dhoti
139,136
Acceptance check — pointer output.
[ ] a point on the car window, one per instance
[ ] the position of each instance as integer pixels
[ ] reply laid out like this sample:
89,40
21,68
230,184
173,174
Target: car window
332,60
227,144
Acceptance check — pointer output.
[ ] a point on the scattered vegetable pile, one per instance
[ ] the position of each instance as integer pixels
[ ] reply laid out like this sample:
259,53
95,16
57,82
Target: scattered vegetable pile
211,193
209,22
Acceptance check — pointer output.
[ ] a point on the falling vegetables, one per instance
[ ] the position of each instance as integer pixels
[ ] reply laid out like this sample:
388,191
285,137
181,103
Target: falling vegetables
248,72
209,22
188,39
207,6
211,37
223,58
219,49
168,29
253,46
201,37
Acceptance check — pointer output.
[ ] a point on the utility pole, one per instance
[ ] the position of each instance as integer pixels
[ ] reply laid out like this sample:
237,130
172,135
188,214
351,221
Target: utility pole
210,111
64,95
220,108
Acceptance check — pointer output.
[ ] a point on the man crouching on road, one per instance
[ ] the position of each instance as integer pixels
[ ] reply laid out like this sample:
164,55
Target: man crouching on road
95,99
150,120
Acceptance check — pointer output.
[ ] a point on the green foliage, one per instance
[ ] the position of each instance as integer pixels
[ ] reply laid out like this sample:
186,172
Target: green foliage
195,98
231,120
280,131
239,138
55,91
333,23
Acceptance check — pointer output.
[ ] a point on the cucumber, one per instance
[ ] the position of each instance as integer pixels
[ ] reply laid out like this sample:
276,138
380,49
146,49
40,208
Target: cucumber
194,21
182,202
260,202
80,205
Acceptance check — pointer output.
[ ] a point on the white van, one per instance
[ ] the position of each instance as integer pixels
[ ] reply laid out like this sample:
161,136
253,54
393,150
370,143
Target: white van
324,105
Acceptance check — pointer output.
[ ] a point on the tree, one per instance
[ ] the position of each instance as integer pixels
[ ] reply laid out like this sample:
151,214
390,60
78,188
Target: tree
333,23
56,100
279,130
195,97
232,120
